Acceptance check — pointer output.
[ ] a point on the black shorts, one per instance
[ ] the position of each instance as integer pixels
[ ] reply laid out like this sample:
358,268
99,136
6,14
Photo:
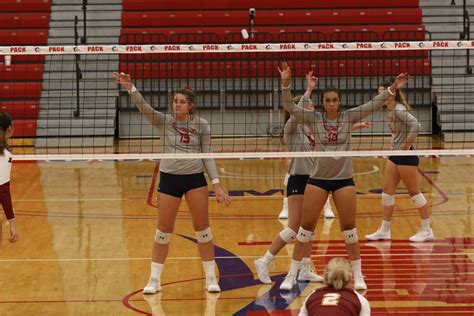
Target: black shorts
331,185
405,160
296,184
179,184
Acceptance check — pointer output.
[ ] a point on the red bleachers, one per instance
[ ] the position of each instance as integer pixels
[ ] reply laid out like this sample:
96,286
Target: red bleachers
25,58
21,72
24,128
272,17
23,37
25,6
20,90
268,68
129,35
24,20
152,5
21,109
165,21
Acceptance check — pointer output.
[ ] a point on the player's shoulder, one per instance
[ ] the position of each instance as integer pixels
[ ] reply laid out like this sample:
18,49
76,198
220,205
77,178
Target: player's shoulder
200,121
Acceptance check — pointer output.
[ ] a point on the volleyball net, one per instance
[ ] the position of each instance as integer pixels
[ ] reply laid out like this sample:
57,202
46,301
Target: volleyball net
65,104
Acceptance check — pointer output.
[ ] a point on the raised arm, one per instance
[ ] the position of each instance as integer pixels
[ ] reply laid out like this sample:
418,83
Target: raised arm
412,123
297,111
358,113
154,117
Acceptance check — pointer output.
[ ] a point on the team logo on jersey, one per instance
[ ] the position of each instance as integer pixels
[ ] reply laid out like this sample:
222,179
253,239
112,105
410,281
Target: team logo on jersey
332,132
184,132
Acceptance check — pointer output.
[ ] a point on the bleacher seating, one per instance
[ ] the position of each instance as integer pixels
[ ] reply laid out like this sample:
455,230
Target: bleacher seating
23,22
156,5
165,21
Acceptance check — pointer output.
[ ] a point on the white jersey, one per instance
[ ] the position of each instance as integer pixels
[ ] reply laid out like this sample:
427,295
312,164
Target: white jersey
5,166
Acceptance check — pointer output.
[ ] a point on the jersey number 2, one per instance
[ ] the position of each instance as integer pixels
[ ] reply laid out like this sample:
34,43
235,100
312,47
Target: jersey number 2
330,299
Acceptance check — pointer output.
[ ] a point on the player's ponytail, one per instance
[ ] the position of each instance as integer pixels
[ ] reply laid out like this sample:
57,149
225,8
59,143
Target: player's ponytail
399,96
338,273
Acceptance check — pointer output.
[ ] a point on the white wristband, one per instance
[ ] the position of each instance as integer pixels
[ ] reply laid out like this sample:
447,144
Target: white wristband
215,181
133,89
390,91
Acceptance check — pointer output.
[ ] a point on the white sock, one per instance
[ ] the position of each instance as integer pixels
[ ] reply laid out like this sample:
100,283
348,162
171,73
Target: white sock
357,267
306,262
156,269
425,224
327,205
209,268
285,202
385,225
294,267
268,257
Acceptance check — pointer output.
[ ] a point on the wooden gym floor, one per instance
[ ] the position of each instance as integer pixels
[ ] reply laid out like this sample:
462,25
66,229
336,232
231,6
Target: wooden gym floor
87,229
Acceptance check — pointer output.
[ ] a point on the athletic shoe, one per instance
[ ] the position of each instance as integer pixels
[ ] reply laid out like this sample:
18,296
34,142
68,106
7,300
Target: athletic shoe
289,282
211,284
262,271
380,235
307,274
359,283
153,286
422,235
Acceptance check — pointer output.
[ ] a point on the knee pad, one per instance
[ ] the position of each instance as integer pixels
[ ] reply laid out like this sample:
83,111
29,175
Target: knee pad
204,235
388,199
304,235
350,236
287,234
285,182
162,238
419,200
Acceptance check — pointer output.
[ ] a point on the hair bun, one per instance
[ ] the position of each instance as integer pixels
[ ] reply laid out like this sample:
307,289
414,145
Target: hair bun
188,88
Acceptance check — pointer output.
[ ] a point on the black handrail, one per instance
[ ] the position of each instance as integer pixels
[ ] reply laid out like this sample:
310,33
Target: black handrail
466,33
84,19
77,112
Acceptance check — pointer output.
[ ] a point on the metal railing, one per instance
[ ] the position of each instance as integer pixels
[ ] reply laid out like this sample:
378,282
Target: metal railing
83,40
466,33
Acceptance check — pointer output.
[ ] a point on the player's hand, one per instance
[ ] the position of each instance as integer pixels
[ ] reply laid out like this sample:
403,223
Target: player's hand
13,232
123,79
285,73
311,81
365,124
221,196
400,81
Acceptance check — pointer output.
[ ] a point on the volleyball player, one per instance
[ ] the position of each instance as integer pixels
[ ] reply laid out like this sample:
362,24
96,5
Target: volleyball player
332,131
336,298
182,132
404,128
6,131
298,137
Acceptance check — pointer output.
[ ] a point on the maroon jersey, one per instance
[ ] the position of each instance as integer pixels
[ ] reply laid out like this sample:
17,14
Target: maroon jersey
331,302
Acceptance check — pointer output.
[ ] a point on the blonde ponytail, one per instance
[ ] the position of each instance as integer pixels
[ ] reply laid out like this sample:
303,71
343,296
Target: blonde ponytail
338,273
